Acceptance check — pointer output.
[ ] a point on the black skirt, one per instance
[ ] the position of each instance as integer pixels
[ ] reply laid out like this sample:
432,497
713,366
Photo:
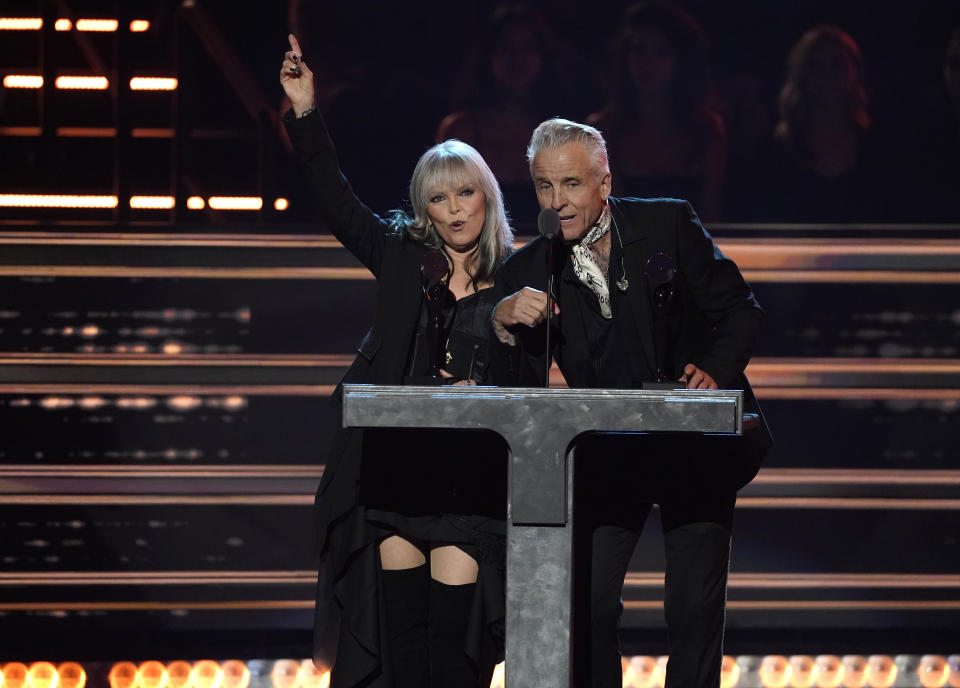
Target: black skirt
435,486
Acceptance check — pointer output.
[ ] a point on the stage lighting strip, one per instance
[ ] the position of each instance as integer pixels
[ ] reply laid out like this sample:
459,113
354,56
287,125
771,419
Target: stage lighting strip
322,273
22,474
767,476
90,82
638,579
324,241
21,23
778,393
738,605
763,254
98,578
64,24
654,579
243,360
821,605
157,500
186,273
57,201
136,202
758,253
638,671
763,371
135,472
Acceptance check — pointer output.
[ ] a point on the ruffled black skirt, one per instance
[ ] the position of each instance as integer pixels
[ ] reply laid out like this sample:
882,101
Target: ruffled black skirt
436,486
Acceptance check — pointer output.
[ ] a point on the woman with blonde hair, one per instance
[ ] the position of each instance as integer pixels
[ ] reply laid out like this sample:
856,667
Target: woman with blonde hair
411,543
821,165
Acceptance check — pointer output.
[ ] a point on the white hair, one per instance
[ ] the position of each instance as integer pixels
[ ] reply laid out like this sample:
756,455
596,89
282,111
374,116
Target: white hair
556,132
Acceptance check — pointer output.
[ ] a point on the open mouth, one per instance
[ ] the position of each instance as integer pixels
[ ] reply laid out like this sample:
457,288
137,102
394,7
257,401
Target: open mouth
457,225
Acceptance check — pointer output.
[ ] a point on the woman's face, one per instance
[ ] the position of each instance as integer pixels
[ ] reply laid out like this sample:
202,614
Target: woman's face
458,214
832,73
651,60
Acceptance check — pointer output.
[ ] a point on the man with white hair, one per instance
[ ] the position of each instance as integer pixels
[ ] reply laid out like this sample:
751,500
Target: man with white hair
642,296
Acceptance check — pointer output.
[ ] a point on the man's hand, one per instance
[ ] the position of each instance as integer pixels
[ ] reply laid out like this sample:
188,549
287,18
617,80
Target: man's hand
526,307
297,79
696,378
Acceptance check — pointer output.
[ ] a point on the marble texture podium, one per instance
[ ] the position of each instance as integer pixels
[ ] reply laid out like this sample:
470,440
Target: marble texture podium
540,427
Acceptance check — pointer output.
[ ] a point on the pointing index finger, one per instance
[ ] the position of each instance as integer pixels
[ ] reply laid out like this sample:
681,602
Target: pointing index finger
294,45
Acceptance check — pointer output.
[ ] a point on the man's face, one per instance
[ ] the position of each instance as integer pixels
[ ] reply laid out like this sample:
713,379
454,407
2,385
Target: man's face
566,180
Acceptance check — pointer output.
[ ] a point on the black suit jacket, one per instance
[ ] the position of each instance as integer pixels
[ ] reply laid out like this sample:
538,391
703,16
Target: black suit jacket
713,321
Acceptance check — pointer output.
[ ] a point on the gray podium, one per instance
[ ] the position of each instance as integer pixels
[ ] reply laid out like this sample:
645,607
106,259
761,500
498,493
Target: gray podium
539,426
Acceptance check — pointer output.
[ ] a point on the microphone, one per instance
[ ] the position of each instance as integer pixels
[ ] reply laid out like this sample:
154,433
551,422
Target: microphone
434,267
548,222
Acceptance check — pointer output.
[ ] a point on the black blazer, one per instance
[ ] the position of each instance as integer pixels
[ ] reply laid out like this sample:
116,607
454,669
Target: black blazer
393,259
713,322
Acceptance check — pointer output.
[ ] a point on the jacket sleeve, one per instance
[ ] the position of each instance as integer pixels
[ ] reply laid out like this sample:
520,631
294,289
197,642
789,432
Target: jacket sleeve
722,295
357,227
521,365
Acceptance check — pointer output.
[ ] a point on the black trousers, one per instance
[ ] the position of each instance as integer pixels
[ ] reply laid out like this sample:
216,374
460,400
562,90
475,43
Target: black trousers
618,479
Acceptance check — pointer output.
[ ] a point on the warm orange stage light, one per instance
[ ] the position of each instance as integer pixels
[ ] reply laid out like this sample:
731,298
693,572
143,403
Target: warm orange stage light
235,202
22,81
235,674
62,25
152,202
152,674
56,201
72,675
179,674
43,675
85,83
102,25
196,203
20,23
207,674
139,25
123,675
145,83
281,204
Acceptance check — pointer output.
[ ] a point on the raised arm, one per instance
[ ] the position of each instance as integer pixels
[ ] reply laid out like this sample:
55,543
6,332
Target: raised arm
354,224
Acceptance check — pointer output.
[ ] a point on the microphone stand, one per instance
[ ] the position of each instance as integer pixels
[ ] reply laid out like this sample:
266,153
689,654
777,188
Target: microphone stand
434,270
550,242
548,224
435,296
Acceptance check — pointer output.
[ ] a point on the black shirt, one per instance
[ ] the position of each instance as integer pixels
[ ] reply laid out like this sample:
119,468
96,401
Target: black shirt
613,343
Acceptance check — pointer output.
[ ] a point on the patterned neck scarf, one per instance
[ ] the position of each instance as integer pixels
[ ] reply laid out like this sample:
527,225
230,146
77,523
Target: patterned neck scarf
585,266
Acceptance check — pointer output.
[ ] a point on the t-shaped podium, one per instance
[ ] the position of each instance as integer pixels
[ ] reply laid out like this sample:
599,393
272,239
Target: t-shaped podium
540,426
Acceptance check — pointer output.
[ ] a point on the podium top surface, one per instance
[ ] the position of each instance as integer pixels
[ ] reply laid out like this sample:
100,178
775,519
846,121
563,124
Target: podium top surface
613,410
482,392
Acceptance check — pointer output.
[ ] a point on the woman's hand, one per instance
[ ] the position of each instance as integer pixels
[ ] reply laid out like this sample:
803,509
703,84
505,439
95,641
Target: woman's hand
297,79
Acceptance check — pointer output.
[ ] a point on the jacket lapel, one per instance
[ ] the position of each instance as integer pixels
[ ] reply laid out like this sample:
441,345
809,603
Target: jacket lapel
636,251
